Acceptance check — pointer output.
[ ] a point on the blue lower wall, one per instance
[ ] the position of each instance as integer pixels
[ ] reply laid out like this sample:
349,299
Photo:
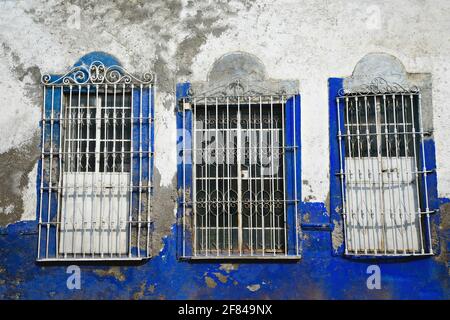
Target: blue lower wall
318,275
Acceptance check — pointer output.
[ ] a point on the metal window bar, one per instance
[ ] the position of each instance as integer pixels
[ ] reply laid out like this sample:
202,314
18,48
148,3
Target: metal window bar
239,196
380,137
96,164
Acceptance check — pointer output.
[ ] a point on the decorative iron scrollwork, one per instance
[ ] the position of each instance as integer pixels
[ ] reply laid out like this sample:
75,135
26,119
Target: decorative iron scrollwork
97,73
378,86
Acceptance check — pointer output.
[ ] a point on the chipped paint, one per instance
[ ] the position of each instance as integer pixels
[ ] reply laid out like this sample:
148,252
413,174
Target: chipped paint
254,287
114,272
139,294
337,236
151,288
210,282
222,278
228,267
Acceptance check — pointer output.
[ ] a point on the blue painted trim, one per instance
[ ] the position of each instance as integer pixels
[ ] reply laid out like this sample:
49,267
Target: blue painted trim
431,186
334,85
315,213
142,166
106,58
293,166
184,248
85,61
49,200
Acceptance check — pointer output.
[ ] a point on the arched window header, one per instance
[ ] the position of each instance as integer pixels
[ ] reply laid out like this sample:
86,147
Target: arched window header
98,68
241,74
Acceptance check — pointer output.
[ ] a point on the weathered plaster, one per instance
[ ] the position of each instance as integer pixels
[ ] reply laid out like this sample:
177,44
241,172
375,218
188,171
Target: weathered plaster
180,41
15,197
337,236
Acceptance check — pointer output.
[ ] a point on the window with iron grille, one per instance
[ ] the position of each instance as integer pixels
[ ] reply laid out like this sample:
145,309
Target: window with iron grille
383,171
96,165
239,160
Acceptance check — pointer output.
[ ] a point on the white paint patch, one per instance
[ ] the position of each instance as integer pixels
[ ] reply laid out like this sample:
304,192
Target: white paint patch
19,117
29,196
7,210
165,139
441,117
254,287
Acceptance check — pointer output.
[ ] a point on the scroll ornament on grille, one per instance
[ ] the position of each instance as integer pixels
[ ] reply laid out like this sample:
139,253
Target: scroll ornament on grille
379,86
98,73
239,87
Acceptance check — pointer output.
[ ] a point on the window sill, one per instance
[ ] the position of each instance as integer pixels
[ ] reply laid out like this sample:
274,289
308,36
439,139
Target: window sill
96,260
387,256
246,258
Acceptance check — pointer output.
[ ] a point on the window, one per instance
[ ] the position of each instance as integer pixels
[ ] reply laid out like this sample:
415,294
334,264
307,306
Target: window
239,157
383,171
96,165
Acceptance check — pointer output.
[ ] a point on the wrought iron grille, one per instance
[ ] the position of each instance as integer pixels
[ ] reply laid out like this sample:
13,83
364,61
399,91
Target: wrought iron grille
96,165
240,202
383,171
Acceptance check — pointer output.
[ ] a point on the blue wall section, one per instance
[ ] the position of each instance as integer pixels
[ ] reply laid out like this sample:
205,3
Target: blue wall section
318,275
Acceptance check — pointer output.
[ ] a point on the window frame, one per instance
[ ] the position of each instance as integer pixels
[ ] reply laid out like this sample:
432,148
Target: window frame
337,155
93,71
185,250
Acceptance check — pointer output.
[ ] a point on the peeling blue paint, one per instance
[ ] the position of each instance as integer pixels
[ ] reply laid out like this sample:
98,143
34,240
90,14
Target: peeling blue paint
317,275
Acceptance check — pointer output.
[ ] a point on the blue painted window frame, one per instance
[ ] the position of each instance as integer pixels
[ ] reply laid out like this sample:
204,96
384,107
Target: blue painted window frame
147,140
334,86
184,237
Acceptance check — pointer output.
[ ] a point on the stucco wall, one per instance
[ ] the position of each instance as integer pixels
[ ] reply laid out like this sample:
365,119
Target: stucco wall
309,41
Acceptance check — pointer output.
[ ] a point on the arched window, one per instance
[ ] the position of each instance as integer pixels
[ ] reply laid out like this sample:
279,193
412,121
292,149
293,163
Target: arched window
96,163
383,179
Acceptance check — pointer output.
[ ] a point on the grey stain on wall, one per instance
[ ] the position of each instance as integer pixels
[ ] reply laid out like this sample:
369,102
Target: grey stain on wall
15,165
18,162
444,234
142,35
